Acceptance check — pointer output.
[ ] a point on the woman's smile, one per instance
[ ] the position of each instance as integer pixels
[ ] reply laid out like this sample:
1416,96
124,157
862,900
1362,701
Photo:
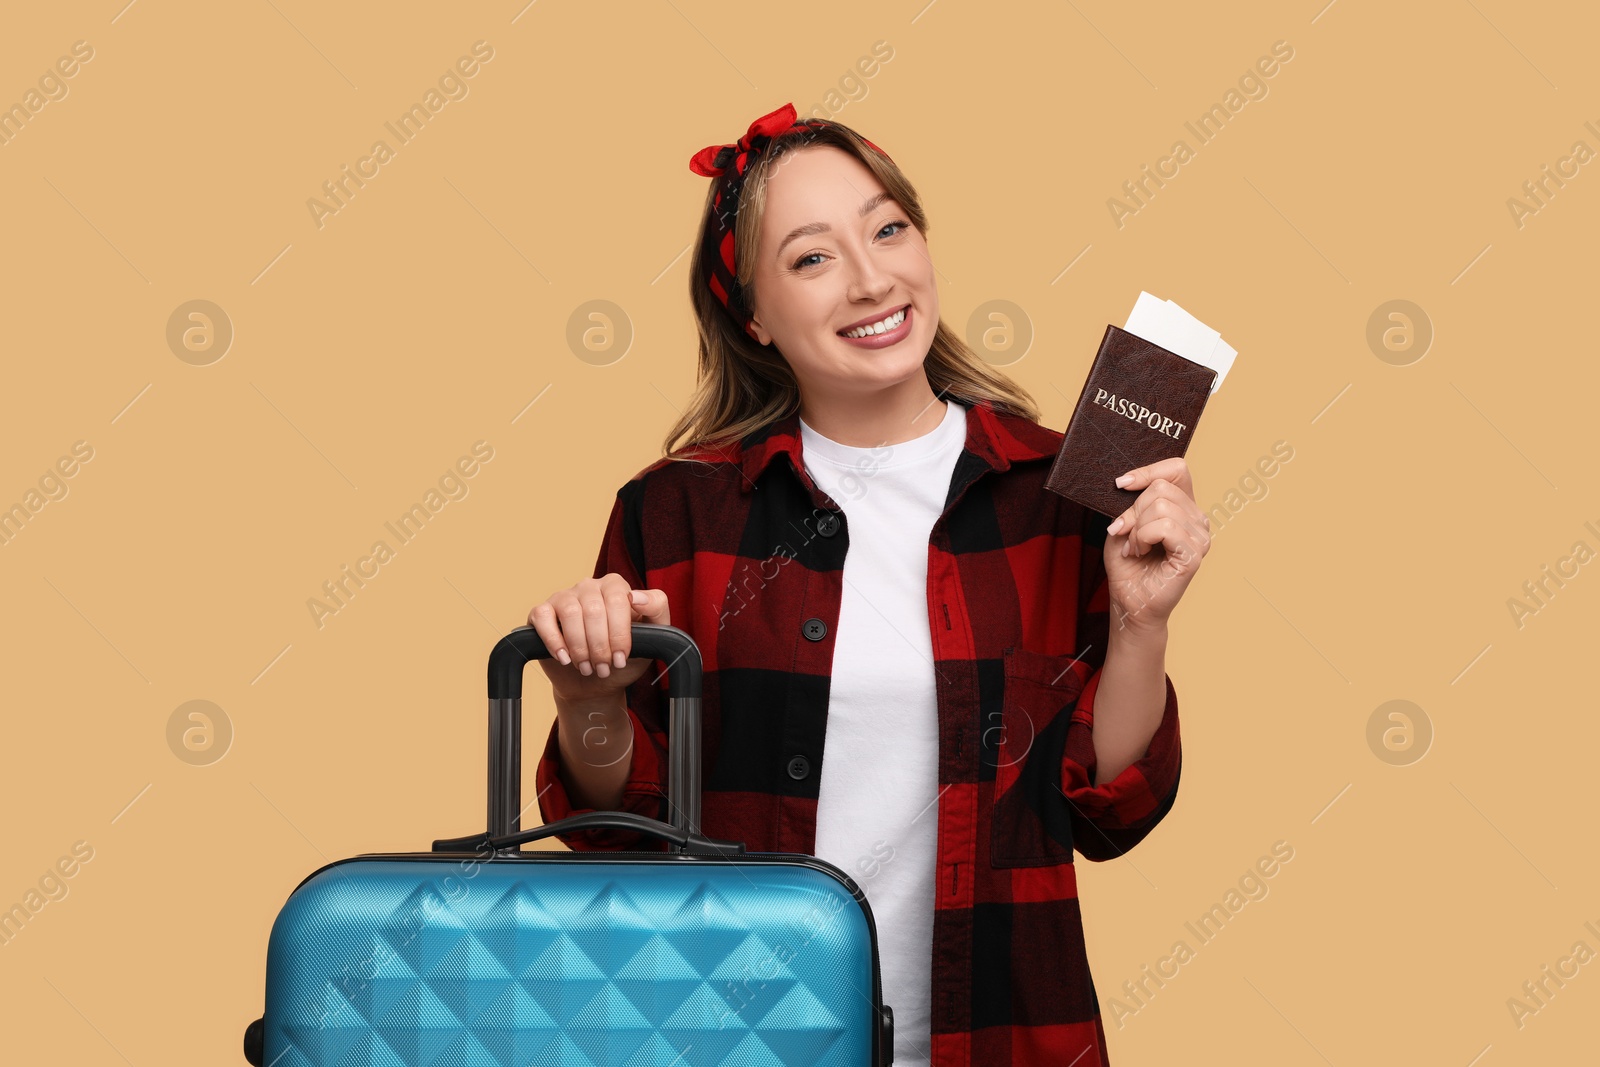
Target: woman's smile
880,332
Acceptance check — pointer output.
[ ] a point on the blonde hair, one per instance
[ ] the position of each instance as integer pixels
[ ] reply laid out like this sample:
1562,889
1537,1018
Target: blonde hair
743,385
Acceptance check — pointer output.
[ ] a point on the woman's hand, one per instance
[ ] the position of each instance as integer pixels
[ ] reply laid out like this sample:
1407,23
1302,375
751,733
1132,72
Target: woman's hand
589,628
1154,548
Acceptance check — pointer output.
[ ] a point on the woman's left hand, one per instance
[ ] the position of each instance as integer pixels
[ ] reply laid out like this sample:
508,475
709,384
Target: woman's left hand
1154,548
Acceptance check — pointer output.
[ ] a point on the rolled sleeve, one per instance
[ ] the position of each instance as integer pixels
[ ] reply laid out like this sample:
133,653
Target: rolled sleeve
1109,818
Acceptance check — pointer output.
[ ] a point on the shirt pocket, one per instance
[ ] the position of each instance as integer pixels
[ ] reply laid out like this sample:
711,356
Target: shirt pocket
1030,825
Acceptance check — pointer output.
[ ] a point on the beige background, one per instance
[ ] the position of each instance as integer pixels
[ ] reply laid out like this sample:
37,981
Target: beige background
434,310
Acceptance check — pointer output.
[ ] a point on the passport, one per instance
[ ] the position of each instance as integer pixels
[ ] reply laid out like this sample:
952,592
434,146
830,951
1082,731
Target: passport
1140,403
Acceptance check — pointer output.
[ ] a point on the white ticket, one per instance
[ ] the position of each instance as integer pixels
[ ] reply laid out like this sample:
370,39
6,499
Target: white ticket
1166,324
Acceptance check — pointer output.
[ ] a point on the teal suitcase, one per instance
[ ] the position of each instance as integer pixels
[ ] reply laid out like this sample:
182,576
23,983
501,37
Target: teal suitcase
478,953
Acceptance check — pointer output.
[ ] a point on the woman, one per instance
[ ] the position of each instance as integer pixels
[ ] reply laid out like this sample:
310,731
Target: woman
948,709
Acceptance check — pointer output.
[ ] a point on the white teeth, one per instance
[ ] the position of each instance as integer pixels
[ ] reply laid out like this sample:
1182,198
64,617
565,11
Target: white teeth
879,327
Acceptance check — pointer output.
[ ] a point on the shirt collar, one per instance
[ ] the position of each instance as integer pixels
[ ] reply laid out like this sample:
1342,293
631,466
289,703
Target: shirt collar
997,439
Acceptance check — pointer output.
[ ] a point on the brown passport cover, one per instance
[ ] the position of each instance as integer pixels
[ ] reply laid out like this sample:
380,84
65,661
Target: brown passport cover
1152,390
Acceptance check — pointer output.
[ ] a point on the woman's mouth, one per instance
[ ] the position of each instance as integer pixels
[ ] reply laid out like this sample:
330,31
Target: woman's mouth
881,333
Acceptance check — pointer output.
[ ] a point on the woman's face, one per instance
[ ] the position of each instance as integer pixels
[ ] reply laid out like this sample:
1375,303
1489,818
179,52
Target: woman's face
836,252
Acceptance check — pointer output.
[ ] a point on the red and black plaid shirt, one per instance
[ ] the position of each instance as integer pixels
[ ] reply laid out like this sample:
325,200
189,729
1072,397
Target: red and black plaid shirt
750,553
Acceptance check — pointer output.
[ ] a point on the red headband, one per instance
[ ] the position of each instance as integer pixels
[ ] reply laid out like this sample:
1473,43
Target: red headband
729,163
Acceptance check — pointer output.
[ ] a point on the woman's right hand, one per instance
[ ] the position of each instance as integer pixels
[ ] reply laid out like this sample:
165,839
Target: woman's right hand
586,627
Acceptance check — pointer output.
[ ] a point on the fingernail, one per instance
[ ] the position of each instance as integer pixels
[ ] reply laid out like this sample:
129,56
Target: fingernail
561,654
1116,524
584,668
1124,479
638,597
619,660
603,670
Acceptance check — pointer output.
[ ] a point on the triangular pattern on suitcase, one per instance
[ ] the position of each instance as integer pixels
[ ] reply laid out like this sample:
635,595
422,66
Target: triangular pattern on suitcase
422,962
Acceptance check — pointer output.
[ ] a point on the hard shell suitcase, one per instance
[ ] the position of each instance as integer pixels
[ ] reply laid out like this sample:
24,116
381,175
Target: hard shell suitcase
480,953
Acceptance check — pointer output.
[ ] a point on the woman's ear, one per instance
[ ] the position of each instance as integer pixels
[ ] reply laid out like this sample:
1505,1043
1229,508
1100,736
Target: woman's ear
755,329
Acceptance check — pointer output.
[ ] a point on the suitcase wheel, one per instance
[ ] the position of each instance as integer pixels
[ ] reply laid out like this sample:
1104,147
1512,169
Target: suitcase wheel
254,1039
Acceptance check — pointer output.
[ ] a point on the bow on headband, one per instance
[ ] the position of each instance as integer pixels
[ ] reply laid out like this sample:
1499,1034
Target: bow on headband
729,162
712,161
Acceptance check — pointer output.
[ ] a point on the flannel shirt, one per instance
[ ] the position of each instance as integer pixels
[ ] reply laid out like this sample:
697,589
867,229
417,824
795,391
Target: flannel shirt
750,553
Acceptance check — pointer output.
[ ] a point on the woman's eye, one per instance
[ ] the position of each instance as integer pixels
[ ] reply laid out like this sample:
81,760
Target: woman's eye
801,263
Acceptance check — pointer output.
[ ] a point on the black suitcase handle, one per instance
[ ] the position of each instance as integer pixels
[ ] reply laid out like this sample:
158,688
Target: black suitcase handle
513,652
686,840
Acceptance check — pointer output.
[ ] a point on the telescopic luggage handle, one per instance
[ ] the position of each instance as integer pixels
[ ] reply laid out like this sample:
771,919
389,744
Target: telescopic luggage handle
512,654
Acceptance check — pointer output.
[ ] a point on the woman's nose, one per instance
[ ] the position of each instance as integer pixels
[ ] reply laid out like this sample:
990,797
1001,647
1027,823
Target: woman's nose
868,279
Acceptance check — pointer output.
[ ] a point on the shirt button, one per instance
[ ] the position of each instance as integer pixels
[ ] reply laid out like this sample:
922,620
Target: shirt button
799,767
828,525
815,629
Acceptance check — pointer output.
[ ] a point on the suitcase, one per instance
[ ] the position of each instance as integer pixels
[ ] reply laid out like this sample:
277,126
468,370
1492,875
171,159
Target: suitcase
477,952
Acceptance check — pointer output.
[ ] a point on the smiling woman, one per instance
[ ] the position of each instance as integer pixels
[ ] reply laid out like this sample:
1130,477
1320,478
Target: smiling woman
912,677
812,234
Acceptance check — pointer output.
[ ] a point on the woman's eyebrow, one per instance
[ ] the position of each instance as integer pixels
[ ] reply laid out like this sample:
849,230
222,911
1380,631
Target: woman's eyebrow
822,227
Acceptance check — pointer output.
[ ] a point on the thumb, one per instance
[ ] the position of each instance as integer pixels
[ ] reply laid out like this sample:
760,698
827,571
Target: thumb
650,605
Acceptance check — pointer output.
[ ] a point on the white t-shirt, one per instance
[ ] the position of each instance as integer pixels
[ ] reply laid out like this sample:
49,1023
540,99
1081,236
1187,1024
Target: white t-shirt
877,816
